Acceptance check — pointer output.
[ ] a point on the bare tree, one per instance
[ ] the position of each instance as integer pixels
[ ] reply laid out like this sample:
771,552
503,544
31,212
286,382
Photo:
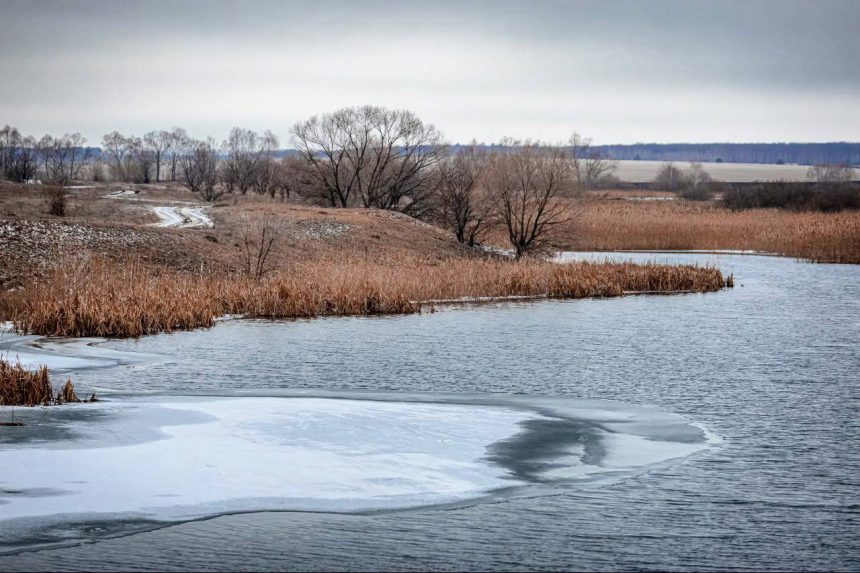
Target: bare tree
243,153
259,238
77,154
464,204
158,144
144,161
19,158
590,169
669,178
118,152
267,172
46,149
23,160
127,158
525,184
199,169
61,158
10,138
371,156
295,176
697,177
178,142
831,173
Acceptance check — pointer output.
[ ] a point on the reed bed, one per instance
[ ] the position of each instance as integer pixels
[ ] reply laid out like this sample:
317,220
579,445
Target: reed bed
22,387
106,299
678,225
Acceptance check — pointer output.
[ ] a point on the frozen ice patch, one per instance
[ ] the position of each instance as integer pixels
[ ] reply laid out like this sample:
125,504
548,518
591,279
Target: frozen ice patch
188,458
165,459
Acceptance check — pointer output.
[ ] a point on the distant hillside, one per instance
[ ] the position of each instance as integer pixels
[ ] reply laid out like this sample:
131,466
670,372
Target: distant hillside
800,153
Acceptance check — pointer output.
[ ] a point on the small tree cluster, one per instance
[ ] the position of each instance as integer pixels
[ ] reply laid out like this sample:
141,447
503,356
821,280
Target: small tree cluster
18,158
62,157
590,169
794,196
250,163
831,173
198,168
694,183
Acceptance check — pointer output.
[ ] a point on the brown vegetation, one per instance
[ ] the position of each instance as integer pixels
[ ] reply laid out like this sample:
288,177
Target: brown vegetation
22,387
101,298
678,225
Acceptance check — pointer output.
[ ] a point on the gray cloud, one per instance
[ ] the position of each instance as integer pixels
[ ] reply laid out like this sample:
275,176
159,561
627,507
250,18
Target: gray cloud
618,71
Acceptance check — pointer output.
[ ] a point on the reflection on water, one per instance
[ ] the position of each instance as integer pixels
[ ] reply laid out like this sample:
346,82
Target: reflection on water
771,366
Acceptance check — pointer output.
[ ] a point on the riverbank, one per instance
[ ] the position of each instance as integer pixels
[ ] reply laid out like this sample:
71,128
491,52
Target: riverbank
105,298
120,274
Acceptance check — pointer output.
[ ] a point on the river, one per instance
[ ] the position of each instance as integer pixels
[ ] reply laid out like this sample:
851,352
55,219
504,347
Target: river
706,431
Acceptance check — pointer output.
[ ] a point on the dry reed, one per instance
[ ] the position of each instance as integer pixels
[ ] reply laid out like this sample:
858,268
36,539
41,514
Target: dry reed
22,387
678,225
100,298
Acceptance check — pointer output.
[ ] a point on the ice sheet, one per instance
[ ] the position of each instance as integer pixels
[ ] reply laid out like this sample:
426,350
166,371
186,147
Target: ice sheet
262,453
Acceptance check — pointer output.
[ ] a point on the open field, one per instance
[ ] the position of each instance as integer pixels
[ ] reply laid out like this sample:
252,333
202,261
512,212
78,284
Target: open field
644,171
607,225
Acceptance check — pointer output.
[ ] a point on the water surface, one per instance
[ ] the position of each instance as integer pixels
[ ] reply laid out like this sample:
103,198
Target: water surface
770,366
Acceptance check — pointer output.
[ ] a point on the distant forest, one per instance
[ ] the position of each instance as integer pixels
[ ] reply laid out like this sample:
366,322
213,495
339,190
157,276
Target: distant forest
800,153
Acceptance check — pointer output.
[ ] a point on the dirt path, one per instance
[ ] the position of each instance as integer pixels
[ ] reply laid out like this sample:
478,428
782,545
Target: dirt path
169,216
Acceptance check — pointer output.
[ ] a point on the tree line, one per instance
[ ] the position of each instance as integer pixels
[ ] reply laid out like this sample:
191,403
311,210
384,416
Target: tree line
799,153
367,156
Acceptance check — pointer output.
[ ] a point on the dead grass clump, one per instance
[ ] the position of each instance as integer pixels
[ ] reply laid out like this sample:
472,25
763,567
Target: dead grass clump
679,225
99,298
22,387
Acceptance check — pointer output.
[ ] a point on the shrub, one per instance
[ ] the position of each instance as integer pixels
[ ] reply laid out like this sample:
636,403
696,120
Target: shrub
55,201
794,196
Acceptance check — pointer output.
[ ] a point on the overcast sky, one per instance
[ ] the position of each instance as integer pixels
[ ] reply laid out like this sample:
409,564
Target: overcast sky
620,72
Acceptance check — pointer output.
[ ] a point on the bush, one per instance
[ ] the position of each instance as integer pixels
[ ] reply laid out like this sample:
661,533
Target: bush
55,201
703,192
794,196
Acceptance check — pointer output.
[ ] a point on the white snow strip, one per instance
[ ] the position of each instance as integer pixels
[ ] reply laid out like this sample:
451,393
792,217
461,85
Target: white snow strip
182,217
127,194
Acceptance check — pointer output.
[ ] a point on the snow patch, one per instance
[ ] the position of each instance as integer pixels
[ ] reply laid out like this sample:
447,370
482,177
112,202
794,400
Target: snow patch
182,217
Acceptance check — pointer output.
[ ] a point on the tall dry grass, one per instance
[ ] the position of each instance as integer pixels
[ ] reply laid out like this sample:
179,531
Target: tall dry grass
670,225
22,387
101,298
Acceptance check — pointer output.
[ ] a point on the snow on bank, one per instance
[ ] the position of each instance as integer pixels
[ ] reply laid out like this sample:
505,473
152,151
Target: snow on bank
127,194
182,217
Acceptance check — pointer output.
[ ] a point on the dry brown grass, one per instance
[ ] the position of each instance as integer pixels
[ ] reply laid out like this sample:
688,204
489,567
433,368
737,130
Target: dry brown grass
102,298
679,225
22,387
